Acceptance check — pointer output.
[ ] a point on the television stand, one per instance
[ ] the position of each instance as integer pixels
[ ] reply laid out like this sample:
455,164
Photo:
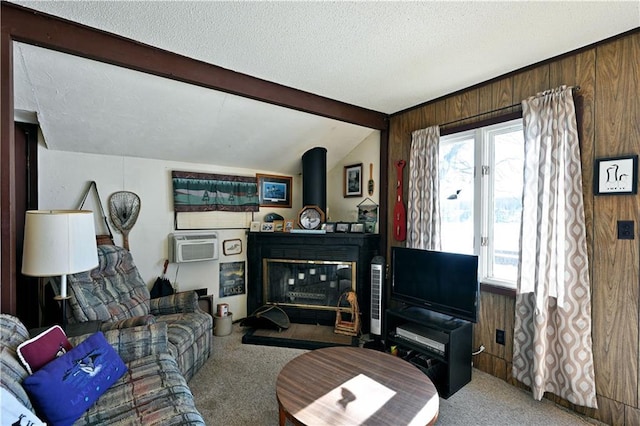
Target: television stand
439,345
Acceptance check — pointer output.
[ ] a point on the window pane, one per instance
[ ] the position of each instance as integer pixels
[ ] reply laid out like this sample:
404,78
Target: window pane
507,204
456,195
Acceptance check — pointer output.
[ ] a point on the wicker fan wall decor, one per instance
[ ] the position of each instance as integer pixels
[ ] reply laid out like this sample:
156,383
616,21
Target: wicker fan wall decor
124,207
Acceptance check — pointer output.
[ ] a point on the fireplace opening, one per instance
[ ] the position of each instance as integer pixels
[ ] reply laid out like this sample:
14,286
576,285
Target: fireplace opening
274,258
307,284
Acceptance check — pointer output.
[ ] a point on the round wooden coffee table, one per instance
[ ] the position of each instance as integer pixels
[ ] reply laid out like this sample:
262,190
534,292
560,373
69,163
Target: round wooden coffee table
351,386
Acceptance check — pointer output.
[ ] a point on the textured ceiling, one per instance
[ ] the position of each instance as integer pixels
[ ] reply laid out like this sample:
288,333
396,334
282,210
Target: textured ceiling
384,56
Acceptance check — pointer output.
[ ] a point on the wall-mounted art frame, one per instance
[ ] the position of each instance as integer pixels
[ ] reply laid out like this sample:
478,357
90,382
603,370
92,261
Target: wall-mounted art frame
232,279
352,180
274,191
231,247
205,192
368,215
616,175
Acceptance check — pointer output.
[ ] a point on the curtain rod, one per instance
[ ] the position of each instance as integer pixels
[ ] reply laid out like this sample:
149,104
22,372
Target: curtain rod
519,104
480,114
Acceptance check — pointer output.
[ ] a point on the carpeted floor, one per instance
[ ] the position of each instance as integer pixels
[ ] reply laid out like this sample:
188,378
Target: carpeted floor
236,387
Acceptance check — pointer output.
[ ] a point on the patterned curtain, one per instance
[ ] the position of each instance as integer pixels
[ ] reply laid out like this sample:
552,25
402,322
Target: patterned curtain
423,204
552,350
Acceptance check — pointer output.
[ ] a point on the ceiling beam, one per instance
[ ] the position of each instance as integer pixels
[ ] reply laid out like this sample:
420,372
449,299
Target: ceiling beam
40,29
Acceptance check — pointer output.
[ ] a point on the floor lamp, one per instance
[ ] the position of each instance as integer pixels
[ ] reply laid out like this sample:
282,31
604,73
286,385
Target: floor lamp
59,242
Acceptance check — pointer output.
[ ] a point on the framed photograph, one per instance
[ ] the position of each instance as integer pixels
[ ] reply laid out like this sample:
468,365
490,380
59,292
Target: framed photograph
288,225
278,225
266,227
274,191
330,227
357,228
255,226
231,247
352,182
342,227
616,175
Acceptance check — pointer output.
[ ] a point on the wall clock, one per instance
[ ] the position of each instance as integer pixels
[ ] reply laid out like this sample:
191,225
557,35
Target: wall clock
310,217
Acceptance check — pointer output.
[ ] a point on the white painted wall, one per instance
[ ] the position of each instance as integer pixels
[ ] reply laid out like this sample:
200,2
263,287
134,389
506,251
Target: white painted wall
64,176
343,209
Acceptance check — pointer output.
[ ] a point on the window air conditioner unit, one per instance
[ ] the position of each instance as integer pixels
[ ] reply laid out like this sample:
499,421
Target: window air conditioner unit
193,246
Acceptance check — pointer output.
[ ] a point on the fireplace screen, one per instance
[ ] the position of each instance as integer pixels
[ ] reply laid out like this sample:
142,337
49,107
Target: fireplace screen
315,284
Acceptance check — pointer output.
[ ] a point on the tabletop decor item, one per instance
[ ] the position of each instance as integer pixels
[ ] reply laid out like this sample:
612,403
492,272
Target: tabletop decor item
310,217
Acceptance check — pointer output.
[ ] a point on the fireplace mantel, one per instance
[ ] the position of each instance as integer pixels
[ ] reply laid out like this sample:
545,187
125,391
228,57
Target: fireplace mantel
358,248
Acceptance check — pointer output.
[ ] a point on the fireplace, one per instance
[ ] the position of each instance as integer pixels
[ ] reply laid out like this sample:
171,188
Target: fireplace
311,284
305,274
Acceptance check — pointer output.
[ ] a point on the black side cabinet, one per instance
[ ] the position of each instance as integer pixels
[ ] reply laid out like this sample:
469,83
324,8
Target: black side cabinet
437,344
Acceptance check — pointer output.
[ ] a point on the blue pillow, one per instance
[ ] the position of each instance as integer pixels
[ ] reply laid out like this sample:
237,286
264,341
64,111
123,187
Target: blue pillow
65,388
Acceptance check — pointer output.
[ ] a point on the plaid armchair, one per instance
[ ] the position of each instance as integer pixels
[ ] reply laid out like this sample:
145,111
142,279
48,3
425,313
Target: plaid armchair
115,294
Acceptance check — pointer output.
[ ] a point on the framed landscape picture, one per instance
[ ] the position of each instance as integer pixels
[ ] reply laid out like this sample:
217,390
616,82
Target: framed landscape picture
274,191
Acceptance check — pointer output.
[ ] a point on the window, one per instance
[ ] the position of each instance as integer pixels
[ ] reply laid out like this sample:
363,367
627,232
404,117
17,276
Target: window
481,197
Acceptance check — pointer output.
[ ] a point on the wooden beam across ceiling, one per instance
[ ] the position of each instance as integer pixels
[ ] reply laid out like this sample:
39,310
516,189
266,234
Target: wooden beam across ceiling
40,29
32,27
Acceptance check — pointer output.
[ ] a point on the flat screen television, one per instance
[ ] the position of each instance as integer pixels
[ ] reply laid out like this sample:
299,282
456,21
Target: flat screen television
439,281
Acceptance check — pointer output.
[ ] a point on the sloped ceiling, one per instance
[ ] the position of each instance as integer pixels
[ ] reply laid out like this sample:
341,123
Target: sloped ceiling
383,56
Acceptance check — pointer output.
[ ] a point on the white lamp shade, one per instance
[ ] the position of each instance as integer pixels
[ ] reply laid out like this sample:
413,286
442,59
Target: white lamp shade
59,242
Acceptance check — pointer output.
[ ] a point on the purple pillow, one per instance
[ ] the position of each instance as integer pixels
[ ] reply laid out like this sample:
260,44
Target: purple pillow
37,352
65,388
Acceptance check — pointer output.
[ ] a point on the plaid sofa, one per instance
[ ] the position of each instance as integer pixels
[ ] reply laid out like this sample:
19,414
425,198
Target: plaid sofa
152,392
115,294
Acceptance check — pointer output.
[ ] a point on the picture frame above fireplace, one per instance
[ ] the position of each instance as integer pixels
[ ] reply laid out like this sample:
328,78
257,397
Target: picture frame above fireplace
274,191
352,180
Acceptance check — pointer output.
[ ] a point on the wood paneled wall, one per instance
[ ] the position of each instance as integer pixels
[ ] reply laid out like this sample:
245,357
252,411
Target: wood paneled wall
608,107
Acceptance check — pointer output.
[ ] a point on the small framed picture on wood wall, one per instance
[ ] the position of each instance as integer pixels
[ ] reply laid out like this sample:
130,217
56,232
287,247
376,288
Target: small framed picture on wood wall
616,175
